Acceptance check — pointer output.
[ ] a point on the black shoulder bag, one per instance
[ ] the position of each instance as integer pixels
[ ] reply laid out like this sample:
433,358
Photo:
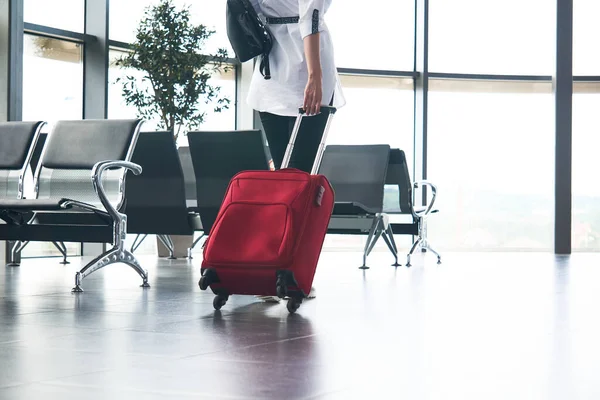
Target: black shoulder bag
248,36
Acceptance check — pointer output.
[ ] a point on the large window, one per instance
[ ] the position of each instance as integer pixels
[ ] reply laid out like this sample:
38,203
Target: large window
52,91
378,35
52,79
378,110
491,152
586,37
61,14
507,37
124,16
586,191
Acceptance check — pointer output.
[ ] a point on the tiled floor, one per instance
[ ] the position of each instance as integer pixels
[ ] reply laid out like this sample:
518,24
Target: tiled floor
480,326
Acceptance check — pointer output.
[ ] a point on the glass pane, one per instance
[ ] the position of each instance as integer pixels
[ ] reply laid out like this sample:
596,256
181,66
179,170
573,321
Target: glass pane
52,91
491,153
125,15
508,37
365,37
52,79
586,193
64,14
117,108
586,37
359,122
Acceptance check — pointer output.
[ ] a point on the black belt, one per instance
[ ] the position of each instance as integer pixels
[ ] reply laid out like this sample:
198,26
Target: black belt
282,20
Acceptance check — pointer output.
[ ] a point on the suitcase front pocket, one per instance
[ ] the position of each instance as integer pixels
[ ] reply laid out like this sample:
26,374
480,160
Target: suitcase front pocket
250,234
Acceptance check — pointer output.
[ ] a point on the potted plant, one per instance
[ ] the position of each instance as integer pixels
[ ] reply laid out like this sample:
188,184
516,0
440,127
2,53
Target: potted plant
174,72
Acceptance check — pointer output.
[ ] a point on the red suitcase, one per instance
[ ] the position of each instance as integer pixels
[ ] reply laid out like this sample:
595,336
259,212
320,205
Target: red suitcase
269,232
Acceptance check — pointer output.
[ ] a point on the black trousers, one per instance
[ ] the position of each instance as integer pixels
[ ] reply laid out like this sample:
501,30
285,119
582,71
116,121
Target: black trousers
278,130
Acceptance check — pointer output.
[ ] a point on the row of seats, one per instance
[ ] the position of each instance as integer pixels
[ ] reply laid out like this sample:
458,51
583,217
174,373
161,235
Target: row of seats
170,191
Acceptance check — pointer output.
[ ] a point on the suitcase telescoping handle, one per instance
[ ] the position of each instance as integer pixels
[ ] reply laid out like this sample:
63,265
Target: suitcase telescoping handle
330,111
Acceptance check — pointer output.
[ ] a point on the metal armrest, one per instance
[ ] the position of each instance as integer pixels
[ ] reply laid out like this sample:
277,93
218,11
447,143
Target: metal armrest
97,172
429,207
68,203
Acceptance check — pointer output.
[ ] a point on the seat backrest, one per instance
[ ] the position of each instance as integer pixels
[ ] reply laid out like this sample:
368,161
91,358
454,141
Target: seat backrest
71,151
357,173
189,177
37,151
399,176
17,144
156,198
217,157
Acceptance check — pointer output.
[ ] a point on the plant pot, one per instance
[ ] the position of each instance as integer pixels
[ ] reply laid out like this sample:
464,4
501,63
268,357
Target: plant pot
181,244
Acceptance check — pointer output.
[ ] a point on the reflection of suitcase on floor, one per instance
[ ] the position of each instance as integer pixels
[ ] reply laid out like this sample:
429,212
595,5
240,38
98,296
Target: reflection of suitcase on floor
270,230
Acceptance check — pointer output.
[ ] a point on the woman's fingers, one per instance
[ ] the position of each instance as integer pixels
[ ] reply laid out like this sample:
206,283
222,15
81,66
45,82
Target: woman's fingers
317,105
312,98
309,102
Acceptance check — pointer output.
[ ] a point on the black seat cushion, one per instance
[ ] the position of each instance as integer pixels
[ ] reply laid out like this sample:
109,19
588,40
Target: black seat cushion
351,208
32,204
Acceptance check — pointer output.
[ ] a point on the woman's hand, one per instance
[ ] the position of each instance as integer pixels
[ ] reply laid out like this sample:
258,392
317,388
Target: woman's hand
313,95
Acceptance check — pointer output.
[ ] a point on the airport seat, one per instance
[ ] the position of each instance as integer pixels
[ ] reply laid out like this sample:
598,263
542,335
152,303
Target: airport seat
357,174
80,192
156,200
16,247
398,174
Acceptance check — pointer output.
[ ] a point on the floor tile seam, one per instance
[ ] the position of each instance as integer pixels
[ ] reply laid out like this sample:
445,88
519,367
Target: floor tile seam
58,383
12,385
250,346
93,331
85,352
326,393
123,327
42,381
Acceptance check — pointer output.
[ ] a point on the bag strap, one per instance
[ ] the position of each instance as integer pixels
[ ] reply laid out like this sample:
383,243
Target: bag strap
265,67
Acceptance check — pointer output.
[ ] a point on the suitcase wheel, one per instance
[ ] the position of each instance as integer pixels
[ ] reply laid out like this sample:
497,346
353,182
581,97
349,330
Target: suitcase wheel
203,283
219,301
281,290
209,276
293,304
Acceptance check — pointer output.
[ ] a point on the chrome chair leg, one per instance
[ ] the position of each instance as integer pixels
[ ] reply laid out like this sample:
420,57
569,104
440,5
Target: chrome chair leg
189,251
16,249
429,248
414,247
425,243
118,254
113,256
138,242
63,250
374,234
168,242
388,237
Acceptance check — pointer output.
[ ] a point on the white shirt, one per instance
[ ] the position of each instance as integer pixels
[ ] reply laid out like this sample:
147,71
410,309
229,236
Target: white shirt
283,94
